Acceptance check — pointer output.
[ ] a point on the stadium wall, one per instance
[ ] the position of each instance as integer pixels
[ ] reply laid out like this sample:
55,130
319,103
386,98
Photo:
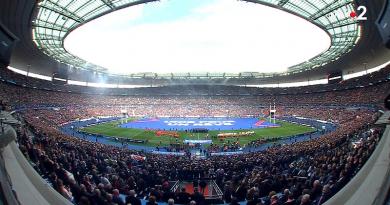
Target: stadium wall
28,186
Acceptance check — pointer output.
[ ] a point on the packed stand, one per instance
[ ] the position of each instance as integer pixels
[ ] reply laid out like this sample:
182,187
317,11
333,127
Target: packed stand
91,173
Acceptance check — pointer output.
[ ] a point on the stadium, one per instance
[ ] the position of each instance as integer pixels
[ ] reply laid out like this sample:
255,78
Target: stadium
269,102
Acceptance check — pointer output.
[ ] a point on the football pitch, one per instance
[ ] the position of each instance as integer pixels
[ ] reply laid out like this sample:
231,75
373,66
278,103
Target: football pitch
117,129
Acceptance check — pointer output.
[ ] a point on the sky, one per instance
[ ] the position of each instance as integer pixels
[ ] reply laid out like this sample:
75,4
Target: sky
197,36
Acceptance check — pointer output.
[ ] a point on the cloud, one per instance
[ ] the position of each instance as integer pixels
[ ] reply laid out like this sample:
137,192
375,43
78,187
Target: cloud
221,36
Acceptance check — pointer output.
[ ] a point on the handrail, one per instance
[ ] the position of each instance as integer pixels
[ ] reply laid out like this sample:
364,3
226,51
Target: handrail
216,188
175,186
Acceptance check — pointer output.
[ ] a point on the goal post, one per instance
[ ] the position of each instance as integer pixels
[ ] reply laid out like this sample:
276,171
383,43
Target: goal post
272,112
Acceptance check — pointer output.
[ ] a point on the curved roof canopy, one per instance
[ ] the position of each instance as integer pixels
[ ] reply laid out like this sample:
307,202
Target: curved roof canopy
57,18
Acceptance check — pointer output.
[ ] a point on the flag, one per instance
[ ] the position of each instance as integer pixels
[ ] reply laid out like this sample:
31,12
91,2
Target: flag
138,157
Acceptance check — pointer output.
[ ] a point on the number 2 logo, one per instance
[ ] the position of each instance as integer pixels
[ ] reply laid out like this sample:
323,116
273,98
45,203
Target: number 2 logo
362,13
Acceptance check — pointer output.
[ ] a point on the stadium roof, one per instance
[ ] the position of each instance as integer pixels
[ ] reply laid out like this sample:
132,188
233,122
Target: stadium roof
57,18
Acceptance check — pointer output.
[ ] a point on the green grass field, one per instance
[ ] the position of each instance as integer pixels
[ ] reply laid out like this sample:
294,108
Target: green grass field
112,129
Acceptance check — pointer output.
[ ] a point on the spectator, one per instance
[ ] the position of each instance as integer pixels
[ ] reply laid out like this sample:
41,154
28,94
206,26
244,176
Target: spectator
171,201
197,197
152,201
116,198
183,197
131,199
305,200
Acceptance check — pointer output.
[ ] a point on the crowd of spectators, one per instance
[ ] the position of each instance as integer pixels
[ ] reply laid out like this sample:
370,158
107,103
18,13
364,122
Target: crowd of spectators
366,80
89,173
189,105
61,115
369,89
